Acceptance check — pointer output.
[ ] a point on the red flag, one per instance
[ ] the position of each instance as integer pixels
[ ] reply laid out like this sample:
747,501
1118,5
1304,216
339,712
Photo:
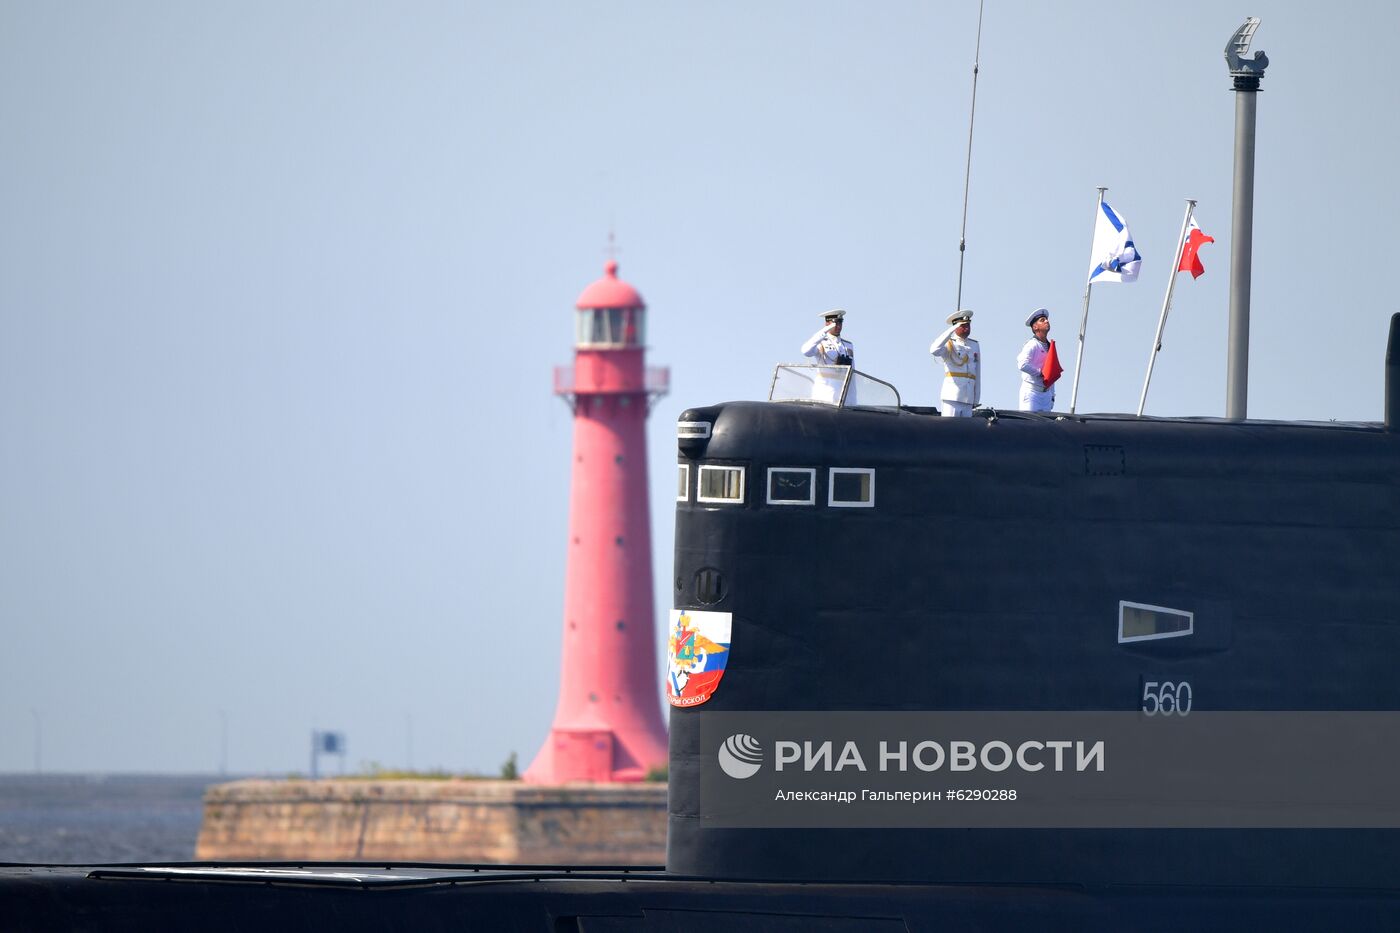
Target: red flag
1051,369
1190,262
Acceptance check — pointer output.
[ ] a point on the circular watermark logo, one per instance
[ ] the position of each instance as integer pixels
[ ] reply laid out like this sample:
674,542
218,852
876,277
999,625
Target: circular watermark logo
741,756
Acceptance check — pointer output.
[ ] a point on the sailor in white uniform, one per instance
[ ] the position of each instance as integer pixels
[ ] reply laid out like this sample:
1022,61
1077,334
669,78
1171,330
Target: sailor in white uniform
830,349
962,357
1035,395
827,345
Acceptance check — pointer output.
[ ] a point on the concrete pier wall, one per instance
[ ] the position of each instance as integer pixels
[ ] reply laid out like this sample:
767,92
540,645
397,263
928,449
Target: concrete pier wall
449,821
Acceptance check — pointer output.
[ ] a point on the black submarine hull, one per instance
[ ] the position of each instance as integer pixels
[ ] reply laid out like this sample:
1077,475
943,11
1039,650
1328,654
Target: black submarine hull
116,899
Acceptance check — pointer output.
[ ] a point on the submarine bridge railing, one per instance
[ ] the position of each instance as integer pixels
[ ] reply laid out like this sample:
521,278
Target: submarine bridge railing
838,386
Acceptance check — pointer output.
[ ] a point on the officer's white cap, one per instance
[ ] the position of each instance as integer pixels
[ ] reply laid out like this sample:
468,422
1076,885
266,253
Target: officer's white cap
833,313
957,317
1038,312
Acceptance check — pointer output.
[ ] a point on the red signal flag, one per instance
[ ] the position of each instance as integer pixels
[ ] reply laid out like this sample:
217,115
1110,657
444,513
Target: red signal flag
1190,262
1051,369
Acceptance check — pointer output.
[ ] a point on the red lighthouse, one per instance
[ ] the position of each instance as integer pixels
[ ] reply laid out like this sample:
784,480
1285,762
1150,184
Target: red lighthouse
607,726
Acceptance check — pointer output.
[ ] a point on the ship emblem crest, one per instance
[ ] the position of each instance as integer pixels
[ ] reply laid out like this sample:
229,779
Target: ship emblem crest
696,653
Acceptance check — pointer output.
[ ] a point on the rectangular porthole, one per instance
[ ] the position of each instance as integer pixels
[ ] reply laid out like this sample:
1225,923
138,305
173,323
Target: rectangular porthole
1141,622
683,487
851,488
792,486
721,484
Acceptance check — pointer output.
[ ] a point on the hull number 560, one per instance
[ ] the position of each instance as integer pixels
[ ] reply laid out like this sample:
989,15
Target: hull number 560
1167,698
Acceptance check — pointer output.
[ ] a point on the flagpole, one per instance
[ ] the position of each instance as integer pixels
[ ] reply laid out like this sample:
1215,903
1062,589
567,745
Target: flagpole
1166,303
1084,320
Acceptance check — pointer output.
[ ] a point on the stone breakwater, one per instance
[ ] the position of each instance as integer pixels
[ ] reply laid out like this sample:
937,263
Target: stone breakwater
500,822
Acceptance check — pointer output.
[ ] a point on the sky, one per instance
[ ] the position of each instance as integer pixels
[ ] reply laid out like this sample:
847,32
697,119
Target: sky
282,287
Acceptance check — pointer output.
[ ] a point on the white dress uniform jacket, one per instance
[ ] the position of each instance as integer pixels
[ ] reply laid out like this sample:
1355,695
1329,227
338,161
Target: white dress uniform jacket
963,360
827,348
1034,395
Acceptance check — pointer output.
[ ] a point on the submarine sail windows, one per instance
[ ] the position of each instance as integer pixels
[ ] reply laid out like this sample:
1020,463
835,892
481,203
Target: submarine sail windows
792,486
683,491
1141,622
721,484
851,488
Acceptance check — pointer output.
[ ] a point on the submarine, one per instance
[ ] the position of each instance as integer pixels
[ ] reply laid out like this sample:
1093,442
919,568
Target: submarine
1093,574
842,559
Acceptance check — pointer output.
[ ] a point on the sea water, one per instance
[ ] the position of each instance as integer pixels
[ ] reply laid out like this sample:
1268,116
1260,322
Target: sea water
94,818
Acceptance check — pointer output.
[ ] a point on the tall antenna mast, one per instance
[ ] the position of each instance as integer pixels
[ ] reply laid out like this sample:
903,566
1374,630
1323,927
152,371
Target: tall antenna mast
967,175
1246,73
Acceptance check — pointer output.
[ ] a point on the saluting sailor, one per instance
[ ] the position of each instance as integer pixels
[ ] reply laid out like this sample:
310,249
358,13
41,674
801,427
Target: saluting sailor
830,349
962,357
827,344
1035,394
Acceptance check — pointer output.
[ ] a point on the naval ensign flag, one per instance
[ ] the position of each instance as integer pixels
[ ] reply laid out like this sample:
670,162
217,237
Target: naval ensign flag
1113,257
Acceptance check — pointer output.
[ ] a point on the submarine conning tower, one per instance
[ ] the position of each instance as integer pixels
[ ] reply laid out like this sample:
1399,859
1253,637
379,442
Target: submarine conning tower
607,725
846,559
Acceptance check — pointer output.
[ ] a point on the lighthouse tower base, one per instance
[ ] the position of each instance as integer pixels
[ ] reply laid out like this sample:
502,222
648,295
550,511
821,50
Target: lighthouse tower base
583,755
